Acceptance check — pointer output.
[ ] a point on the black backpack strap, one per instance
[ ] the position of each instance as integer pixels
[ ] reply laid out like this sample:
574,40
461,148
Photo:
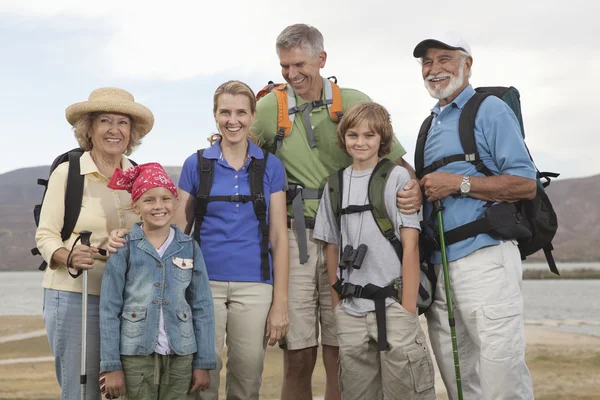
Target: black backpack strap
73,195
257,172
466,132
206,172
420,147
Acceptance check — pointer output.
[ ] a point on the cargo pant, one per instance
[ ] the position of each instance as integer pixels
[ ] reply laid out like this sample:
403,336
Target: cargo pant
404,371
157,377
488,309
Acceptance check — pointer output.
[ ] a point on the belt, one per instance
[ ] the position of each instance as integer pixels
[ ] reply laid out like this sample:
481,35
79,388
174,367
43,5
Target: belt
309,223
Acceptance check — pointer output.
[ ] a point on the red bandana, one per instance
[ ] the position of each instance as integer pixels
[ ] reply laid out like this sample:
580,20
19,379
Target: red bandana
137,180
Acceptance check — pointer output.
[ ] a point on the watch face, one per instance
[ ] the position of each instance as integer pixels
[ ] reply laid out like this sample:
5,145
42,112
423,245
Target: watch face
465,187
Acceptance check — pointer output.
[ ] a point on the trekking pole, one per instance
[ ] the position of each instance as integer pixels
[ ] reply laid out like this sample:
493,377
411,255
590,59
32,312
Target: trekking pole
437,209
85,240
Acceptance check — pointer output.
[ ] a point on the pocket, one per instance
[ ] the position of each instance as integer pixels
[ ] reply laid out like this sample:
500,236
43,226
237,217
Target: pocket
134,386
186,323
421,365
501,331
182,269
133,321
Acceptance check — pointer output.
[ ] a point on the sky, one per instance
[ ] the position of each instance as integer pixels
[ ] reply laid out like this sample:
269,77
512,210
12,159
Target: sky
172,56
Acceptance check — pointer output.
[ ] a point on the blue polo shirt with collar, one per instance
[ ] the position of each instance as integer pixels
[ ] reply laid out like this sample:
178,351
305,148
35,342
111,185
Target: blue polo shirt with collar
230,235
501,148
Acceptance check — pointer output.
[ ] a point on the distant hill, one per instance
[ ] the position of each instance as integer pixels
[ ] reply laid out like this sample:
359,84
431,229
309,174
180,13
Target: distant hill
575,201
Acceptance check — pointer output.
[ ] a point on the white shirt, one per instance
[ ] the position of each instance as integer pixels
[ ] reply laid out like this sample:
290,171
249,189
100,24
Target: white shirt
162,344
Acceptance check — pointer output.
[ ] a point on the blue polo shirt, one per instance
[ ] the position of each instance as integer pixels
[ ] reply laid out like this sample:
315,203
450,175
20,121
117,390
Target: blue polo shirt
230,235
501,148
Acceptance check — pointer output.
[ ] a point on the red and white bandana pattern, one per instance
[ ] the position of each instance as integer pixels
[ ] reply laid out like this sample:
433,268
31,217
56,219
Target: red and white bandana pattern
139,179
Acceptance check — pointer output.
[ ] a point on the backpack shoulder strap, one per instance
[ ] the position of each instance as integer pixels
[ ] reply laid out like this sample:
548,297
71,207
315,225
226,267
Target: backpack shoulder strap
333,97
206,173
466,131
420,147
257,169
73,194
286,101
335,182
377,183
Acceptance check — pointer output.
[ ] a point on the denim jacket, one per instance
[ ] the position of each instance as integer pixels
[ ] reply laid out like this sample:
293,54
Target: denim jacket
137,282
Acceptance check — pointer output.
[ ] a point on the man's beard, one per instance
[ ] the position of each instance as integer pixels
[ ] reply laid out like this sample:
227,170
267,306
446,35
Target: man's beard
456,81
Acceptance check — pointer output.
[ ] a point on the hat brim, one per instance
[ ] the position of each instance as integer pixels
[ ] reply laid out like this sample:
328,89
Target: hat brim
422,47
141,115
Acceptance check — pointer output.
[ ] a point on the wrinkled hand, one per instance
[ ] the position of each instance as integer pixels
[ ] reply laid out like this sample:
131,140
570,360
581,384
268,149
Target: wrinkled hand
439,185
409,200
200,380
278,323
116,240
82,257
114,382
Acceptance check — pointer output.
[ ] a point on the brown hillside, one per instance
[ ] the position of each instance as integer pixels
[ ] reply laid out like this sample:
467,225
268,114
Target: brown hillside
575,201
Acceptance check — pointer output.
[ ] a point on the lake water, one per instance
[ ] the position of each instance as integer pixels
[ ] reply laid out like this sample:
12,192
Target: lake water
567,305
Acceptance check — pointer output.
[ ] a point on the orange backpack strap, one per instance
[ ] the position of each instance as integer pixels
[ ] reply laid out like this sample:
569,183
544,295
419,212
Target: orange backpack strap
333,93
285,100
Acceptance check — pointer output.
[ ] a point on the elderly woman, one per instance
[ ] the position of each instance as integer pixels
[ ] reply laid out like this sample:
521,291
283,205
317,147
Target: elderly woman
108,126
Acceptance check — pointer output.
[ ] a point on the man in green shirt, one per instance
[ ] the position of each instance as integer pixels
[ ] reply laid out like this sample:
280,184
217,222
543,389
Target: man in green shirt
310,154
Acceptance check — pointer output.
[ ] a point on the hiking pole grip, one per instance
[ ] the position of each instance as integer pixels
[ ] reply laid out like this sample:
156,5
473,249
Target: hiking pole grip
85,240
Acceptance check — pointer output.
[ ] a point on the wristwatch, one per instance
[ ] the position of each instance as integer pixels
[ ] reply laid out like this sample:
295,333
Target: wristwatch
465,186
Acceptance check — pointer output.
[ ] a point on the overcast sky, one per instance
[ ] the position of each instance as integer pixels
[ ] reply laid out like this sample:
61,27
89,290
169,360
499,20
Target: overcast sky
171,55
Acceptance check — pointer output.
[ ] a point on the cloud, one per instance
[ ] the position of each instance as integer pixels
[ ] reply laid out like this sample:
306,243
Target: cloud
546,49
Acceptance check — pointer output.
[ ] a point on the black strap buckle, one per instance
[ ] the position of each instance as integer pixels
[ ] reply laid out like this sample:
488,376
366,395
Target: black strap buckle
351,290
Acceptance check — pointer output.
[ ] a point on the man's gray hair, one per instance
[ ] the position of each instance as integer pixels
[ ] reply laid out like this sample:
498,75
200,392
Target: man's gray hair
300,35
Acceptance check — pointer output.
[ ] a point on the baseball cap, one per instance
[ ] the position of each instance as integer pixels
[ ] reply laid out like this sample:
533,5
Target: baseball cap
448,40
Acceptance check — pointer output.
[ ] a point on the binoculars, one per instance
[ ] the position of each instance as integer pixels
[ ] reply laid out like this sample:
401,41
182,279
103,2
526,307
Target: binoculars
353,258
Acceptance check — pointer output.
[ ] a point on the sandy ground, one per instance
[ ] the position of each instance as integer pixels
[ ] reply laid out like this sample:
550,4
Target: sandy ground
563,365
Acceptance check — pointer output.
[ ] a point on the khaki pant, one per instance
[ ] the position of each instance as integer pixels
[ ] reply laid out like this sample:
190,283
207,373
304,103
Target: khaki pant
404,371
157,377
488,310
309,297
241,311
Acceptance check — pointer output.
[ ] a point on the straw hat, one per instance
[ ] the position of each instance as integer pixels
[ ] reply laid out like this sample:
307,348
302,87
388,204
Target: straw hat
113,100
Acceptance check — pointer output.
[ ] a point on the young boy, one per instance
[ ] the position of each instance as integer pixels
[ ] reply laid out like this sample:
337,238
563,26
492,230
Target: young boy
156,309
383,352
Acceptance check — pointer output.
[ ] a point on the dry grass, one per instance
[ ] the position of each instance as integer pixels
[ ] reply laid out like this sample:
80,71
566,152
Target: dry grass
563,365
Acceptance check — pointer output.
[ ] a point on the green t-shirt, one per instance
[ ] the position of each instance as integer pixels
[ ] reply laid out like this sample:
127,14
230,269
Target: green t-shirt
303,165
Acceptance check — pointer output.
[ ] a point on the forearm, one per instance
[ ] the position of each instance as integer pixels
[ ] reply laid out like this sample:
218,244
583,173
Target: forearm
410,278
501,188
60,256
281,269
332,254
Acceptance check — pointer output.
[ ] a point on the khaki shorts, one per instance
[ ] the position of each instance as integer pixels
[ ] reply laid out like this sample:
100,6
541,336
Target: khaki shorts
404,371
309,298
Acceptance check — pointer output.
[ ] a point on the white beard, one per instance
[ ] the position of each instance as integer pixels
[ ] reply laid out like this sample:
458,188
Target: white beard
456,81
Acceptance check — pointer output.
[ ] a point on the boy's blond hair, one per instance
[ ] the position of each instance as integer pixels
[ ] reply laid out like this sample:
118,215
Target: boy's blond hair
377,118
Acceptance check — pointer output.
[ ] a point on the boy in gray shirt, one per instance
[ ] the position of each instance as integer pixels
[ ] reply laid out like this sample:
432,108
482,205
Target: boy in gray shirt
403,370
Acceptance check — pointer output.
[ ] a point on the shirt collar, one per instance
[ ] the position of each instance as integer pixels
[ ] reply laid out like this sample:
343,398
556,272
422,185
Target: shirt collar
214,152
459,101
88,166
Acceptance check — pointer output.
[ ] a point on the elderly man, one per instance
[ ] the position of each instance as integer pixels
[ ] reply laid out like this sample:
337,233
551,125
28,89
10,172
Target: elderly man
309,153
485,273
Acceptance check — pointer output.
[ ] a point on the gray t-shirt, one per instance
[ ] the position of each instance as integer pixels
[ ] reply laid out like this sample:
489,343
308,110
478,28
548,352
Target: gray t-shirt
381,263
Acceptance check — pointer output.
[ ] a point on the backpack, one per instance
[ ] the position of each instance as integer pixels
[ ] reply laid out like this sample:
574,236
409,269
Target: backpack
533,223
378,209
287,109
206,172
73,195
